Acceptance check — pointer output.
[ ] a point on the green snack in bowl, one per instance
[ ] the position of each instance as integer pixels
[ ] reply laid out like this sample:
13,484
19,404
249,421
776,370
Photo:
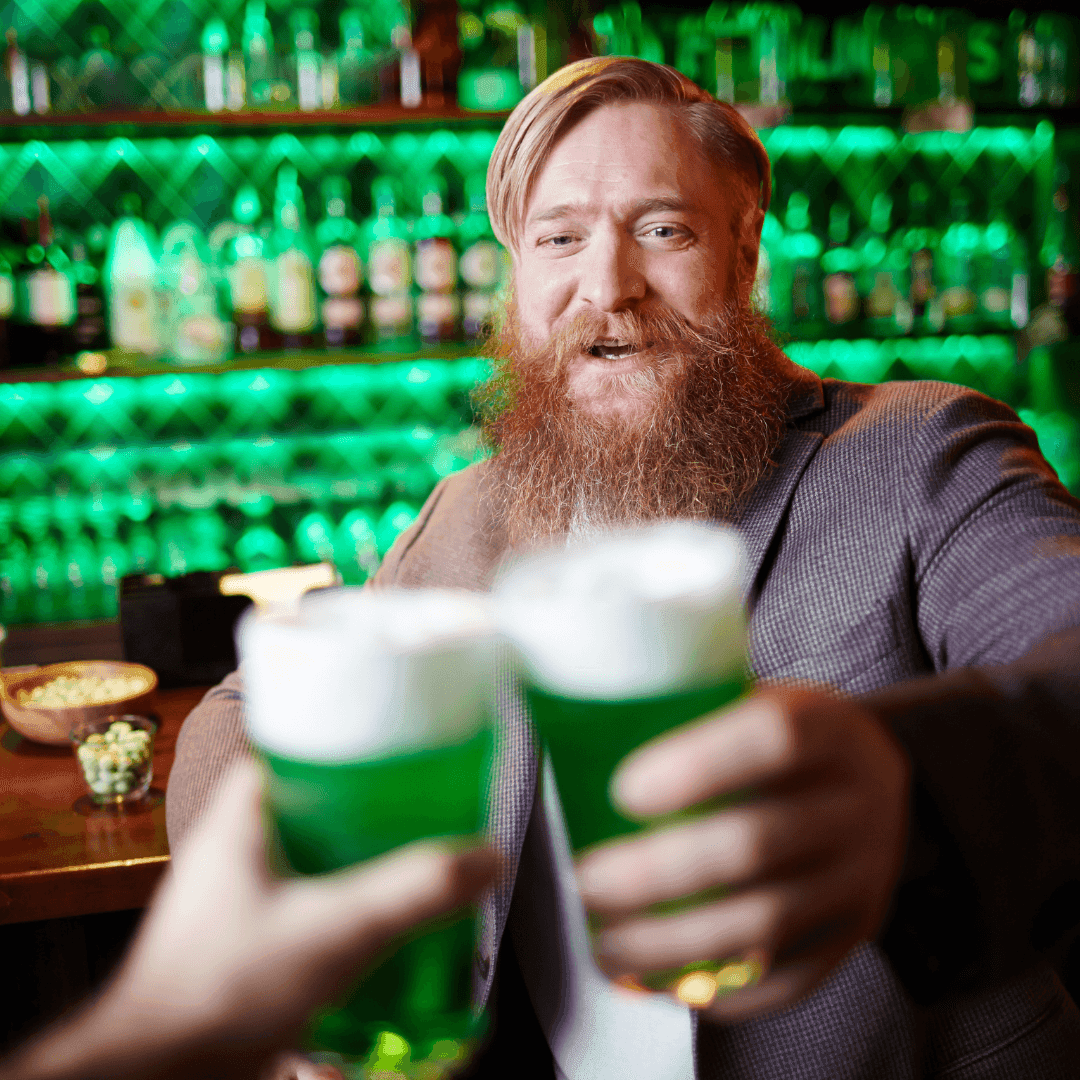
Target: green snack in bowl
116,762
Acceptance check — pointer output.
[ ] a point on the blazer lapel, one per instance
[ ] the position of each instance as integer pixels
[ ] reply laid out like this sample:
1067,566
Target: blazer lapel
761,515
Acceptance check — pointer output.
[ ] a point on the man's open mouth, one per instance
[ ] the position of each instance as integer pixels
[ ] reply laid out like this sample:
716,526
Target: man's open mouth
611,349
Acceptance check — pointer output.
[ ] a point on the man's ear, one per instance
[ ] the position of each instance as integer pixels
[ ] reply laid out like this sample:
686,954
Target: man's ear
749,245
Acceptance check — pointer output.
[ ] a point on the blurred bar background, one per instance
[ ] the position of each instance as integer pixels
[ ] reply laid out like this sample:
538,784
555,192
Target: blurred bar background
245,257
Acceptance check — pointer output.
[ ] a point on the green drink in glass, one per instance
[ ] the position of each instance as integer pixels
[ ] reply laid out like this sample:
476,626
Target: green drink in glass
621,640
371,714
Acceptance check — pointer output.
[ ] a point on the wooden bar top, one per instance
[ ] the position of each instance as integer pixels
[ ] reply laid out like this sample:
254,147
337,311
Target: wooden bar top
56,862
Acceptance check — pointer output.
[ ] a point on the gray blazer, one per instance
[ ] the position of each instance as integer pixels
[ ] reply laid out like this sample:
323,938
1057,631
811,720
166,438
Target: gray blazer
910,545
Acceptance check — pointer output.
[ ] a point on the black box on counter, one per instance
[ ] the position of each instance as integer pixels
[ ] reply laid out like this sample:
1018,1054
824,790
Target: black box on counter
182,627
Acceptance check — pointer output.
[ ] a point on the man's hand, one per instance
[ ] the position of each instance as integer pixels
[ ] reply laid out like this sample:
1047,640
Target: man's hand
811,860
231,961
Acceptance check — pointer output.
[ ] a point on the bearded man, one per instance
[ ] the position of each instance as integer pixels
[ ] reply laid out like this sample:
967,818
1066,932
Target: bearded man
909,867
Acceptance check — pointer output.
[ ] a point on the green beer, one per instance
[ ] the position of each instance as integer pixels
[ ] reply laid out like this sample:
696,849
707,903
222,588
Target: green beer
621,640
587,740
371,715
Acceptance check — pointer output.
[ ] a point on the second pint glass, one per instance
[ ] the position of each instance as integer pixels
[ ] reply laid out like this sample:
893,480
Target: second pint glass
371,712
620,640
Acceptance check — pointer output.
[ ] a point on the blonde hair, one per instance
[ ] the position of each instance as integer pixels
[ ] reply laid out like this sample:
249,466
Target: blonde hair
568,96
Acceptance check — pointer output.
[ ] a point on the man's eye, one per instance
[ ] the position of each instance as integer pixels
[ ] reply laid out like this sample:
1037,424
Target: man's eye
664,232
562,240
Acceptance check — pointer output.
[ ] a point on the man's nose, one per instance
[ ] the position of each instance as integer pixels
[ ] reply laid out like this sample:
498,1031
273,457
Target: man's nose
612,276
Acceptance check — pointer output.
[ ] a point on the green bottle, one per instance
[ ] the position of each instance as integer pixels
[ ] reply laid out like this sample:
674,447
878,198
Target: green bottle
435,262
919,241
840,265
801,251
357,64
959,250
260,61
1002,271
484,264
883,271
340,273
195,332
293,309
492,65
389,268
7,308
247,270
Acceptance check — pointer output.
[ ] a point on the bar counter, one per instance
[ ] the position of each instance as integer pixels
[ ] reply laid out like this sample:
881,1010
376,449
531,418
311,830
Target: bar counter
56,862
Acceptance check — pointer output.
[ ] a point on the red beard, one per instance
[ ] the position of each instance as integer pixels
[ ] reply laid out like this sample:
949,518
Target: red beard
714,417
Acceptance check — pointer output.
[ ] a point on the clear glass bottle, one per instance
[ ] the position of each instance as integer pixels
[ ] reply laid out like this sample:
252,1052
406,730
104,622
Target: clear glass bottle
195,332
306,61
215,49
840,265
131,278
1003,271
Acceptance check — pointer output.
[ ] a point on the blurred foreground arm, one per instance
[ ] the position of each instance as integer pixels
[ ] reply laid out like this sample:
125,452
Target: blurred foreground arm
230,961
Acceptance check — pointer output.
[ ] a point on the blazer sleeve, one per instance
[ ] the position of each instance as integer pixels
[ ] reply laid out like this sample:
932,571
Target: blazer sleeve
992,879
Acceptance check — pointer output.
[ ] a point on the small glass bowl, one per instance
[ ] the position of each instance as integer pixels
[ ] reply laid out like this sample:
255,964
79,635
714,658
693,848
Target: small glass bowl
116,757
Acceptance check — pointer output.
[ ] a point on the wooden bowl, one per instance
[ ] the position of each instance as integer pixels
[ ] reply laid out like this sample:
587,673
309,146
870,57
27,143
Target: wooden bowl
54,726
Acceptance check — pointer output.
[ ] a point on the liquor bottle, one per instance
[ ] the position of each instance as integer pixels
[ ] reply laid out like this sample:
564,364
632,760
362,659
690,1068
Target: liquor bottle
104,77
16,75
389,267
840,265
920,241
883,272
959,249
306,63
340,274
438,305
1002,270
763,293
7,308
131,277
215,49
245,260
1060,253
798,275
436,44
483,259
358,66
89,331
293,310
490,77
194,331
48,291
259,58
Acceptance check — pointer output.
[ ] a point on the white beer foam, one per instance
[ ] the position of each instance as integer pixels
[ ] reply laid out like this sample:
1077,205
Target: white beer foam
631,614
358,674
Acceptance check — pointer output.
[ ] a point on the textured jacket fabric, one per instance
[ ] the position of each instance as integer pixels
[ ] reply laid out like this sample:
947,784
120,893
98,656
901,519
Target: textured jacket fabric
910,546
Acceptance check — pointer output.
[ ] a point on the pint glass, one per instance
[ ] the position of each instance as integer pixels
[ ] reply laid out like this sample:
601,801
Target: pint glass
371,713
620,640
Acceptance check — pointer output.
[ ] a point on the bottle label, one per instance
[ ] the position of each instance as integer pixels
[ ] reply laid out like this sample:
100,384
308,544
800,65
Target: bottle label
436,265
392,315
308,81
342,311
481,264
437,314
841,298
882,298
247,285
134,317
294,307
388,266
51,297
339,270
200,338
7,296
